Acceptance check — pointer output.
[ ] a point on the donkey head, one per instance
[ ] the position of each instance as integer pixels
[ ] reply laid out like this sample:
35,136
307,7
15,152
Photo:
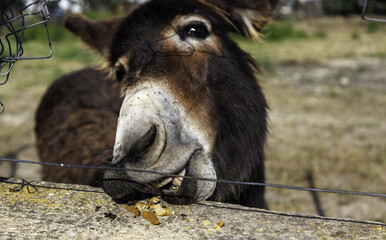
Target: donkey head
192,106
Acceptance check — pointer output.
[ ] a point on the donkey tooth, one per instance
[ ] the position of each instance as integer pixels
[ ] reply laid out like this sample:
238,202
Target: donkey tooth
163,183
178,180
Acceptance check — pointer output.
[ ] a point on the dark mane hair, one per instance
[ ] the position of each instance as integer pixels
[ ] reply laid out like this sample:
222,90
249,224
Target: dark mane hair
241,117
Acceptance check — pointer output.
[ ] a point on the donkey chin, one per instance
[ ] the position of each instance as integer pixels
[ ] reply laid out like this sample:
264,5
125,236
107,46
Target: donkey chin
155,135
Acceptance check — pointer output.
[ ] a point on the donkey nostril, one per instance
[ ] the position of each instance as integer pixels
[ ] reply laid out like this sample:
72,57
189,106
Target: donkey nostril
142,145
139,141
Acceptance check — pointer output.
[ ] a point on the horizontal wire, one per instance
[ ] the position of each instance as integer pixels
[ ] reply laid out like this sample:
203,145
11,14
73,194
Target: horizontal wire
200,179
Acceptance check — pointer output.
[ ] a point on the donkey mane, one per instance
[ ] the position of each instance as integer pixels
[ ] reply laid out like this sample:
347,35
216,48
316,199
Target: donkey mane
241,119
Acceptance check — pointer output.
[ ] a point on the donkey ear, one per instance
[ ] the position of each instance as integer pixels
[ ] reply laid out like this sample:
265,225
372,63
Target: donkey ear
97,34
249,16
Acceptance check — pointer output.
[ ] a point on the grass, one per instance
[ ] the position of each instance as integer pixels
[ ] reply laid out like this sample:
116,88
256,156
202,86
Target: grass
373,27
336,43
320,34
278,31
317,124
355,36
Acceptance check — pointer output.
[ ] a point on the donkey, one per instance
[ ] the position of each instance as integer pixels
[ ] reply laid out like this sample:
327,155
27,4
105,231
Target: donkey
183,100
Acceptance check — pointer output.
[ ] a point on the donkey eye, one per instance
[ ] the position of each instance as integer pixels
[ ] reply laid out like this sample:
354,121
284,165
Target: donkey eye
195,30
119,72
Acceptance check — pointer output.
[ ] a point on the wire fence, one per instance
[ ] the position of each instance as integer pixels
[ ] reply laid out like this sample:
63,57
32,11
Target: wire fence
364,13
16,24
369,194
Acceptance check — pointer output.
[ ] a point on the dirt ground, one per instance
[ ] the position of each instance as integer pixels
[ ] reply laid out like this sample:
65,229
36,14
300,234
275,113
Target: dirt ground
328,129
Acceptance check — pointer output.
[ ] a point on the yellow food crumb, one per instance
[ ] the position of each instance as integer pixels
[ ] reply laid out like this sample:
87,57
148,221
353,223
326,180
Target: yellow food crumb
154,200
142,206
218,226
206,222
380,228
160,211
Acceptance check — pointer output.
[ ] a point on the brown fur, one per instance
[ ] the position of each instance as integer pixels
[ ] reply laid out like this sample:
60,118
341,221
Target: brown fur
214,83
75,119
78,24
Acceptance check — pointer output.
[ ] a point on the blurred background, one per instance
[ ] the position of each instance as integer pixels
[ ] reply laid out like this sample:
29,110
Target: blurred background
324,79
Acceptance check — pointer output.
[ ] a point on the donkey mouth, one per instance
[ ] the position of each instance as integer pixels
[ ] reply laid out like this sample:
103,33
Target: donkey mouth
172,181
173,189
171,185
119,185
